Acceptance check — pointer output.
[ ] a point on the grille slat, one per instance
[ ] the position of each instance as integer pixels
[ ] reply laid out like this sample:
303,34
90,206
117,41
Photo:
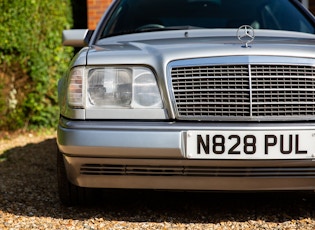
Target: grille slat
245,91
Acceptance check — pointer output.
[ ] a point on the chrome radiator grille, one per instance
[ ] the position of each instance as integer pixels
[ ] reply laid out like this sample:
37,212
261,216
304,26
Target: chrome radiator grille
244,91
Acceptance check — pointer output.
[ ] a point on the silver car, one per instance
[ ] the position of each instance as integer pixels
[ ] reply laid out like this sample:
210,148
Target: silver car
190,95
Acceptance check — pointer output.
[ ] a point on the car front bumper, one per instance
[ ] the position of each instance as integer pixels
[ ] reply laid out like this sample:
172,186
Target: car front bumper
152,155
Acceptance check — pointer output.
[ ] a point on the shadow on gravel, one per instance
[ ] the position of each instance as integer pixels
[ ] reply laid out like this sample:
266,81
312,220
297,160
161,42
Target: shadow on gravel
28,188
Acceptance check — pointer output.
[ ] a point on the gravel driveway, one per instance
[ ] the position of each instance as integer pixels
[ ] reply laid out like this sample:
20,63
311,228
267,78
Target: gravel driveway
28,200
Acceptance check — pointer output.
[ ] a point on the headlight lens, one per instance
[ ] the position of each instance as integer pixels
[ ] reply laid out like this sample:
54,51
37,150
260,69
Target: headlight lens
110,87
146,91
114,87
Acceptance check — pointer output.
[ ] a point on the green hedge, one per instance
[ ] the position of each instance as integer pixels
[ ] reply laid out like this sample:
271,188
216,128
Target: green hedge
32,59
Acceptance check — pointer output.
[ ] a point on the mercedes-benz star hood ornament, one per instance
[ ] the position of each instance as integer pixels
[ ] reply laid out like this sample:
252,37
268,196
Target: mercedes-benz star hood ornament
246,35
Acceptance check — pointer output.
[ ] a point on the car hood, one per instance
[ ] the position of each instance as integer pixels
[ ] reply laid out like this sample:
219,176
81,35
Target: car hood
155,48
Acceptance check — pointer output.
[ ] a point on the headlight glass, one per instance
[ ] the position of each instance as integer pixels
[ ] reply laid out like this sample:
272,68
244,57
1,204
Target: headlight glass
110,87
122,87
146,92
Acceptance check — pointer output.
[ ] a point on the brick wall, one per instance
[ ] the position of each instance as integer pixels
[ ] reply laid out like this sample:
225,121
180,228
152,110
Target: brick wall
95,9
312,6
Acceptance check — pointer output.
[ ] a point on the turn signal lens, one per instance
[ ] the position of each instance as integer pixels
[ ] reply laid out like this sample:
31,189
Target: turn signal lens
75,88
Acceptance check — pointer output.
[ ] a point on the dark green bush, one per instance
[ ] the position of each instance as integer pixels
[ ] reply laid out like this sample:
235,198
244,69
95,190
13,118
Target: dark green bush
32,59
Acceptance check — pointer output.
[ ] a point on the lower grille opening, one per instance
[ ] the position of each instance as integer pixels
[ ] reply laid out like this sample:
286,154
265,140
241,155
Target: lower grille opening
193,171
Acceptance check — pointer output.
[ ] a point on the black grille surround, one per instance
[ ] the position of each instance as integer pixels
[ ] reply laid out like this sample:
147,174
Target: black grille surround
243,91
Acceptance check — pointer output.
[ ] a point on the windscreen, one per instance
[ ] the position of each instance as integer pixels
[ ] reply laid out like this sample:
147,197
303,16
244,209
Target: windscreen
132,16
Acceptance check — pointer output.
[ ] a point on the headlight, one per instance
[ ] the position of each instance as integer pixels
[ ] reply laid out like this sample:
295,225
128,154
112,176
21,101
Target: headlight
114,87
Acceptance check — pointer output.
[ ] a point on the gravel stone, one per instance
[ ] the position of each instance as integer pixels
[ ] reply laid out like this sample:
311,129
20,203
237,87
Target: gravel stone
29,200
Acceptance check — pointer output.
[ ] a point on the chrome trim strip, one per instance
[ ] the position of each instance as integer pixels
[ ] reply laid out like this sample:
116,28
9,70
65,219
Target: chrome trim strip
234,60
250,90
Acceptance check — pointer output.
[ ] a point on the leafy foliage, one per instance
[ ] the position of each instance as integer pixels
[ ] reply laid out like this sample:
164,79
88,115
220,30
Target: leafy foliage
32,59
